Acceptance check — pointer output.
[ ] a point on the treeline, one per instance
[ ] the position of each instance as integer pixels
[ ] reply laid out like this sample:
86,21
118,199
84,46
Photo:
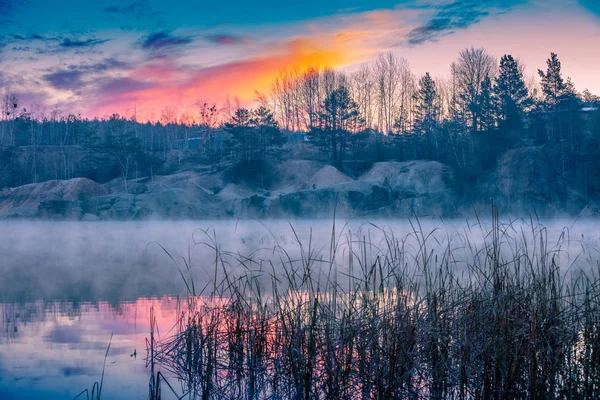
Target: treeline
381,112
100,149
482,110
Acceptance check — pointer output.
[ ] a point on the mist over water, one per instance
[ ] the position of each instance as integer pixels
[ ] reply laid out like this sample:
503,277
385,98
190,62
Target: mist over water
122,261
65,287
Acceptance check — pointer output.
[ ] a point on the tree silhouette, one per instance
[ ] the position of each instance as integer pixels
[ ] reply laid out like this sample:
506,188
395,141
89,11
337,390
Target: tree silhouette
339,115
512,95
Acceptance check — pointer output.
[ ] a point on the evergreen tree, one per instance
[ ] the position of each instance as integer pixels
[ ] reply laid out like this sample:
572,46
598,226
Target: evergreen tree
268,135
553,84
488,144
512,95
241,134
254,134
562,115
487,106
338,117
560,98
589,99
426,112
255,138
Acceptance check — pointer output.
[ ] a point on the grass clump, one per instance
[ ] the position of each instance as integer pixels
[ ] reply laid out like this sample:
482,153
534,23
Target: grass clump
494,312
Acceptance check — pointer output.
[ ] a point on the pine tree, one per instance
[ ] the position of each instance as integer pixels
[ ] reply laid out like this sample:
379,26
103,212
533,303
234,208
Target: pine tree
268,134
487,107
588,98
255,139
427,109
339,115
563,120
254,134
511,93
553,84
241,134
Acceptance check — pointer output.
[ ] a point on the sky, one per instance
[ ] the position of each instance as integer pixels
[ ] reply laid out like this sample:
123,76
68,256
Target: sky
108,56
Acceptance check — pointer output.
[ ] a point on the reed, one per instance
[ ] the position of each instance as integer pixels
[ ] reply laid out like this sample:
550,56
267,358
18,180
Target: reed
507,316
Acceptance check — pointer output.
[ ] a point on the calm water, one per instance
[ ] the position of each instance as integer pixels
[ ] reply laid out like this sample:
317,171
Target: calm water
65,288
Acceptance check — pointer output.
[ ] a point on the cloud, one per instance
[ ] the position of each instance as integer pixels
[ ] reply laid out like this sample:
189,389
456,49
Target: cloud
33,98
163,40
164,83
32,37
56,44
459,14
138,9
64,79
81,44
9,9
107,64
109,87
3,44
169,67
225,39
26,49
76,77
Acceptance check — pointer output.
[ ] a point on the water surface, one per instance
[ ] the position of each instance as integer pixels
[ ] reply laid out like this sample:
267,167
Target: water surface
66,287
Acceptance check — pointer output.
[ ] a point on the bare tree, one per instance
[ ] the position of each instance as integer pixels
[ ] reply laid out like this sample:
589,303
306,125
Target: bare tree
309,96
387,76
408,86
471,69
364,93
10,107
208,113
284,91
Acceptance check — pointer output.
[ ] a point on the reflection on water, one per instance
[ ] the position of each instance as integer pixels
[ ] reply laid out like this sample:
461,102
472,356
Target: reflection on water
66,287
55,350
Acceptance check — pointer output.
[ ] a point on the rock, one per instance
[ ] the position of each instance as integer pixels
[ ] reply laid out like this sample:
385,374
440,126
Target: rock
30,196
297,175
90,217
304,203
160,203
527,181
413,177
75,213
421,187
307,189
294,175
139,188
19,212
327,176
48,208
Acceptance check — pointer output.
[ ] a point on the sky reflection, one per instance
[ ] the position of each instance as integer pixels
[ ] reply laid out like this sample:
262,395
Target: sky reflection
56,350
67,287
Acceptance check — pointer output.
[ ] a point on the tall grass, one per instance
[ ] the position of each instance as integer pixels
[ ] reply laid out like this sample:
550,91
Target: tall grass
506,316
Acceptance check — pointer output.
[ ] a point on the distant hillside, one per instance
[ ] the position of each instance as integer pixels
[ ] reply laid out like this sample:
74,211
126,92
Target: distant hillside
523,183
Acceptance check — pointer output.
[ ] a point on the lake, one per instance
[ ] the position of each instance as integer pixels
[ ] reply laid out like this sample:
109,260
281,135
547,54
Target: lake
66,287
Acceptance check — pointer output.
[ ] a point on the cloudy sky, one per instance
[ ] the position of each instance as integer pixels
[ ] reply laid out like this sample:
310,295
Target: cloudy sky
106,56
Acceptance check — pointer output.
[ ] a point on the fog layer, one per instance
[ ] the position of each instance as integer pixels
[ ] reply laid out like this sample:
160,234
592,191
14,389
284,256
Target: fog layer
119,261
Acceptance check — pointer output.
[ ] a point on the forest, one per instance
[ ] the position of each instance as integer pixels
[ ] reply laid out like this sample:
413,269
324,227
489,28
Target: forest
383,111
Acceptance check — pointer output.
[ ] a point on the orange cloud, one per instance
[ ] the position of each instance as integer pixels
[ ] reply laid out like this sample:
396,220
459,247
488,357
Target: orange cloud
167,85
